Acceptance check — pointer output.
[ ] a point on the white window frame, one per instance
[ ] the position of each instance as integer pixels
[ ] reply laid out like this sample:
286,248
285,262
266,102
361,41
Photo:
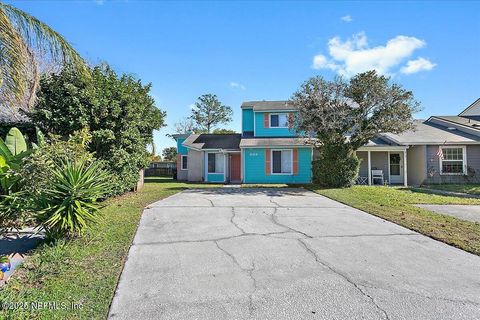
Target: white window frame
224,162
464,161
271,163
277,114
181,162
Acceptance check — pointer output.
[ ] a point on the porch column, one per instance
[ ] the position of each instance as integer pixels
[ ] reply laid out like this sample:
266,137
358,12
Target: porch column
405,167
369,169
388,166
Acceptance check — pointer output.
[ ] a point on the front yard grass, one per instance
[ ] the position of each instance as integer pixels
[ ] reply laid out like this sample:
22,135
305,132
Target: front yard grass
83,271
397,205
462,188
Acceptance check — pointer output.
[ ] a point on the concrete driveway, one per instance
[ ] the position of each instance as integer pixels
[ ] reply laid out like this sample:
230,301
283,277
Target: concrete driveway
287,254
465,212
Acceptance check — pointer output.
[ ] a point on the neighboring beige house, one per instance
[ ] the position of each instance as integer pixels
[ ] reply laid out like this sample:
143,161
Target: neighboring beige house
442,149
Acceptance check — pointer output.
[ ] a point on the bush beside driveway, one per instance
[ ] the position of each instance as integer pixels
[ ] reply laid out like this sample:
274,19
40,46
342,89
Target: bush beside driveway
83,272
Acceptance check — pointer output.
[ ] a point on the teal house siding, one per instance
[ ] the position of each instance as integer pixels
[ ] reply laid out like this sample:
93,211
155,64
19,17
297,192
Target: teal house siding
215,177
181,149
261,131
254,164
247,120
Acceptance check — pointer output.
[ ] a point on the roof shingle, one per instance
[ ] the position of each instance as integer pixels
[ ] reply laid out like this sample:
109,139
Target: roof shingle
269,105
430,133
213,141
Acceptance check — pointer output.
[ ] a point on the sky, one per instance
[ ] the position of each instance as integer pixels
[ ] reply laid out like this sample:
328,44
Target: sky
244,51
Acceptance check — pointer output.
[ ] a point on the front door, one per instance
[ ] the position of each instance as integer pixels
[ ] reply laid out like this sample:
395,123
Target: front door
396,167
235,167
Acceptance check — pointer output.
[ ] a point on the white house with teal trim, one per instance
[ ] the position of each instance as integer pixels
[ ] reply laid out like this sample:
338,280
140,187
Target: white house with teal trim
441,149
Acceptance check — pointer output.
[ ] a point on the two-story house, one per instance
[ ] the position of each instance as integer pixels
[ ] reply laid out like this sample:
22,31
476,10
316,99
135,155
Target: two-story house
441,149
266,151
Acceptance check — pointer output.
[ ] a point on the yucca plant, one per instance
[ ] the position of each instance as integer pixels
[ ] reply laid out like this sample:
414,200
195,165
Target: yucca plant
70,203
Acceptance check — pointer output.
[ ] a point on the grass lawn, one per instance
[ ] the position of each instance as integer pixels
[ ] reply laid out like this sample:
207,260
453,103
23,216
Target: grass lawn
396,205
463,188
85,270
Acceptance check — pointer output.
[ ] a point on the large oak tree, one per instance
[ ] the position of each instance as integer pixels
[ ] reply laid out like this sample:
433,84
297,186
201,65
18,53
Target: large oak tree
344,115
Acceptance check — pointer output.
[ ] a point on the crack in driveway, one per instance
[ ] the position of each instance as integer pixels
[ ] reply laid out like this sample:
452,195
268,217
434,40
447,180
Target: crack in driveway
275,221
235,224
344,276
367,286
248,271
272,234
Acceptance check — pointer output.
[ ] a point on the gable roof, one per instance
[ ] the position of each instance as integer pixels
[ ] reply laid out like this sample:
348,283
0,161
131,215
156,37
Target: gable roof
207,141
177,136
381,141
427,132
268,105
472,110
471,122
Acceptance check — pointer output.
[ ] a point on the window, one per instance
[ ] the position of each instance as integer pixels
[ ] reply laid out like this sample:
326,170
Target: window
281,161
454,160
216,163
279,120
184,162
395,164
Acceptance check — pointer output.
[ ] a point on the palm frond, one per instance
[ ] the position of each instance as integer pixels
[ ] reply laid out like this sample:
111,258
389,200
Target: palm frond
13,59
22,34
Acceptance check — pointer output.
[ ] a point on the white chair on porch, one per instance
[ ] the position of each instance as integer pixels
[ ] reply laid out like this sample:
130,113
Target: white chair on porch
377,175
362,180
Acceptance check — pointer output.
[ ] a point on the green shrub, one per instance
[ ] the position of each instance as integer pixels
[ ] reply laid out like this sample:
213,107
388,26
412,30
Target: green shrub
37,169
14,202
15,211
336,166
69,203
118,111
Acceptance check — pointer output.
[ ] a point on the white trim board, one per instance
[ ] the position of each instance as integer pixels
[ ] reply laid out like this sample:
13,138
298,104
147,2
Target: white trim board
181,162
276,114
282,173
464,161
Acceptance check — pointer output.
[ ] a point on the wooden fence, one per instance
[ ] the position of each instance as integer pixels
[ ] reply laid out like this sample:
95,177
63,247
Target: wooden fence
161,169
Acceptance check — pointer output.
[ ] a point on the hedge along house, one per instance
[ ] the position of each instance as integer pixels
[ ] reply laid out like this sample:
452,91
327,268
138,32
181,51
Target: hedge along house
441,149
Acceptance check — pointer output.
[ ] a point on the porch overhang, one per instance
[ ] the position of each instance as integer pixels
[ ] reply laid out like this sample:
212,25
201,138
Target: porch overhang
382,148
388,149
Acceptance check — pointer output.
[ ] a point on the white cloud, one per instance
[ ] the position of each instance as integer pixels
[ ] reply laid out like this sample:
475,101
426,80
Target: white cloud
321,62
354,55
417,65
348,18
237,85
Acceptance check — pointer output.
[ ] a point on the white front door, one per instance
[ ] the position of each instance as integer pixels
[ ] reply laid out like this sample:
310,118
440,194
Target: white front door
396,167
